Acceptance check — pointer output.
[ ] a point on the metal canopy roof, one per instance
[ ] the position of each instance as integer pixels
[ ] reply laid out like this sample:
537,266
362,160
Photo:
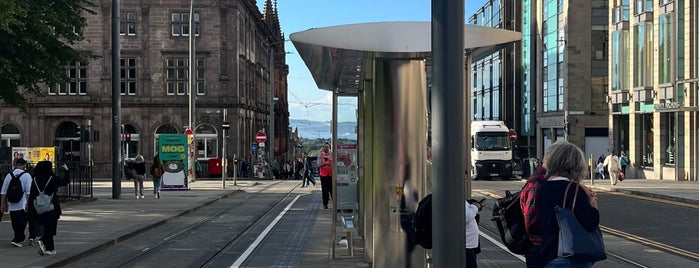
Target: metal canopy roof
334,55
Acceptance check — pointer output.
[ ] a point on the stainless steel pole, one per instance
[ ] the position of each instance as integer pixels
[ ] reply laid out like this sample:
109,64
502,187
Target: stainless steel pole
448,133
192,92
116,103
333,144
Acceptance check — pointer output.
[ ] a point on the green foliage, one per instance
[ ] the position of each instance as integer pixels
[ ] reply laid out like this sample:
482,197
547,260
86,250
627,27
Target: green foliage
313,147
35,38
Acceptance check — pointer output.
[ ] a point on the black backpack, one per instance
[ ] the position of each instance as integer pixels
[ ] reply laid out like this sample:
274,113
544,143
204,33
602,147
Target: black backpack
423,222
509,218
15,190
129,171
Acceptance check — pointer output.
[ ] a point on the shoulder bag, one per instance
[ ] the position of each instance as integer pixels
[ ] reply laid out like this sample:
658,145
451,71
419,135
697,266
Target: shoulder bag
574,242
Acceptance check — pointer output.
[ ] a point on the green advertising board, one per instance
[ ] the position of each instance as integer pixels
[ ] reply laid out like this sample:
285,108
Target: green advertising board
172,149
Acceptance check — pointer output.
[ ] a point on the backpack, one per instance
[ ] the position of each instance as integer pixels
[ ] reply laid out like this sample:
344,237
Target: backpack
42,203
423,223
509,219
15,190
157,172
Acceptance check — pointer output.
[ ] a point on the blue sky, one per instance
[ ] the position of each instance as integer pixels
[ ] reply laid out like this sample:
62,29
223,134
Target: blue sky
306,101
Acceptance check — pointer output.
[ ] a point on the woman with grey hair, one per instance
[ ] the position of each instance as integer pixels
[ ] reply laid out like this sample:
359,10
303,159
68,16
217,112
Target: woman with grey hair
565,164
140,169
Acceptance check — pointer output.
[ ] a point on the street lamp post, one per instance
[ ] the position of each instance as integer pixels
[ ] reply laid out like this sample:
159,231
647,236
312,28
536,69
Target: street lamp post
271,102
192,67
224,162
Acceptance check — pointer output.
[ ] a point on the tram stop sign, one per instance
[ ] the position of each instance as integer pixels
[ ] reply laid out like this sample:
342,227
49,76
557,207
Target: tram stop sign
261,137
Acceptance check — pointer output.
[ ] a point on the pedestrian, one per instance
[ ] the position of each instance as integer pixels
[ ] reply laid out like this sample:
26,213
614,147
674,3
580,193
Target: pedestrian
17,210
140,167
308,173
528,202
565,165
156,171
325,169
47,182
472,241
613,167
600,171
298,169
623,161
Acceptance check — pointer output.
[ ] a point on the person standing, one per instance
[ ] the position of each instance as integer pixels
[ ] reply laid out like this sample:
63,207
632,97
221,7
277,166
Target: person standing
566,167
325,169
472,241
17,210
613,166
139,167
298,170
156,171
623,161
48,183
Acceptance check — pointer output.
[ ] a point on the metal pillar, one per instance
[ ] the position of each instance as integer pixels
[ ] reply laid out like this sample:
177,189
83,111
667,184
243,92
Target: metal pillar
448,133
116,103
271,105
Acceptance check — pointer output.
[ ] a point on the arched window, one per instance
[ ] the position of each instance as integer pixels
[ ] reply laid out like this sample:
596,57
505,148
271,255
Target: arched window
207,141
130,140
10,136
68,141
162,129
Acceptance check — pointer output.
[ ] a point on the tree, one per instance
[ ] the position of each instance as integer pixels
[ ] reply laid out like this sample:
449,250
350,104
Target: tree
35,39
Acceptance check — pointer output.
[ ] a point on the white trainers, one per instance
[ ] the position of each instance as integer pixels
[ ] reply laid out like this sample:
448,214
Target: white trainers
52,252
17,245
40,248
143,196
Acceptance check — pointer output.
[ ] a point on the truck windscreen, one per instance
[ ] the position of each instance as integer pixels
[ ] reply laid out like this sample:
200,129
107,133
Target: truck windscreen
492,141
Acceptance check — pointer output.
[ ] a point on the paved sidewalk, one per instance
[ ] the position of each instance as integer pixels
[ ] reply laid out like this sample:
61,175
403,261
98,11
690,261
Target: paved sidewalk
92,225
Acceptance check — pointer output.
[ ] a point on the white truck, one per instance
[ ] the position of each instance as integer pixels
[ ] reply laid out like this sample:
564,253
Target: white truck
491,150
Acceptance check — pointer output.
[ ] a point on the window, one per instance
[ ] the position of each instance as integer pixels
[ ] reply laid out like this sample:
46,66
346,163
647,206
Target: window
619,72
77,81
207,142
128,76
180,24
127,23
670,146
643,60
177,70
10,136
665,45
647,121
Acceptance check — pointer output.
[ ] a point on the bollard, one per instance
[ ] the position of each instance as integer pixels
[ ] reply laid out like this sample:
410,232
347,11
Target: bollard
592,173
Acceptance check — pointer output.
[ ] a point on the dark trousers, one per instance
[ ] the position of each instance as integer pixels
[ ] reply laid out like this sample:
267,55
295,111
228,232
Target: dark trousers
19,223
623,169
326,186
308,179
533,257
35,229
471,258
49,225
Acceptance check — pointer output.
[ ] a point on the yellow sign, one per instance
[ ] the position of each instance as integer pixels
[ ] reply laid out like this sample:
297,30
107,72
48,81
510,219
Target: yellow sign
37,154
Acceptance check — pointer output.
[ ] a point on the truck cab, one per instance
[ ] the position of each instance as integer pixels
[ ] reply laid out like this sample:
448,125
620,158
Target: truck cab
491,150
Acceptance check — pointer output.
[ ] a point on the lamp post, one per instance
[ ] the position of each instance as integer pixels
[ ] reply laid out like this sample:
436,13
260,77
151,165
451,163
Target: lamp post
224,162
192,67
271,101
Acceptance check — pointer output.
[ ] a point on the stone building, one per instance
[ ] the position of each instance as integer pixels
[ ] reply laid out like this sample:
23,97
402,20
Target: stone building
653,96
232,73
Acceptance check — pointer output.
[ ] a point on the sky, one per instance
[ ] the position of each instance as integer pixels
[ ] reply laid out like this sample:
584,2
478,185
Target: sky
306,101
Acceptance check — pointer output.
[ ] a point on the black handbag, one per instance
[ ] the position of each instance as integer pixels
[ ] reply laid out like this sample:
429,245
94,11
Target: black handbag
574,242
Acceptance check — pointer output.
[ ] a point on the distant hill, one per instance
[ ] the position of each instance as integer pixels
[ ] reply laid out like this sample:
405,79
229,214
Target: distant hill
316,129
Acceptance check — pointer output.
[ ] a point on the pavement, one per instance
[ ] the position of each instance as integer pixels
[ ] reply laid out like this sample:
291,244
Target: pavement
93,224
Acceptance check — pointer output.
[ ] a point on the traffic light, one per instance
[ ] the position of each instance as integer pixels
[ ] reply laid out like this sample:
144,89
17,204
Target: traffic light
127,136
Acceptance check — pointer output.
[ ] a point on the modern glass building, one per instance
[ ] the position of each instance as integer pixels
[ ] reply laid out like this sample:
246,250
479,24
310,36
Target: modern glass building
653,75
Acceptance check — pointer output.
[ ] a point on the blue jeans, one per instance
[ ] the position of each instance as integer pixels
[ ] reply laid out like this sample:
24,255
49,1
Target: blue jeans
308,180
563,262
157,182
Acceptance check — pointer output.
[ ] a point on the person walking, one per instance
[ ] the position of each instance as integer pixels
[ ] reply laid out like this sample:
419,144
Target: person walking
156,172
308,173
613,167
139,167
298,170
623,161
47,182
325,169
565,166
528,202
17,210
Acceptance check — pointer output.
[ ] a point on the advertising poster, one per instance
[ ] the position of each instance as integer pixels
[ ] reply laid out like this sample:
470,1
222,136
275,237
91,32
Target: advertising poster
37,154
346,163
172,149
20,152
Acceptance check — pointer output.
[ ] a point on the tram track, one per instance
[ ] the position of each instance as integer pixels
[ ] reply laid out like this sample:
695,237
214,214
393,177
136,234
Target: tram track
139,251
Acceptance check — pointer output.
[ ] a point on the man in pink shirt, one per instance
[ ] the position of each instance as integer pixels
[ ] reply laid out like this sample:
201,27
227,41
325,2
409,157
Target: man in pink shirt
325,158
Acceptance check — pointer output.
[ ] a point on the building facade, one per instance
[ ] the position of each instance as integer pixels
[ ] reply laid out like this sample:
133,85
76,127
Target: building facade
496,72
570,78
653,96
232,74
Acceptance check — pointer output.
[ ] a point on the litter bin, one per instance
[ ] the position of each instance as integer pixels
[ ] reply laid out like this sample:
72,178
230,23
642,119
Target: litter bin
215,167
